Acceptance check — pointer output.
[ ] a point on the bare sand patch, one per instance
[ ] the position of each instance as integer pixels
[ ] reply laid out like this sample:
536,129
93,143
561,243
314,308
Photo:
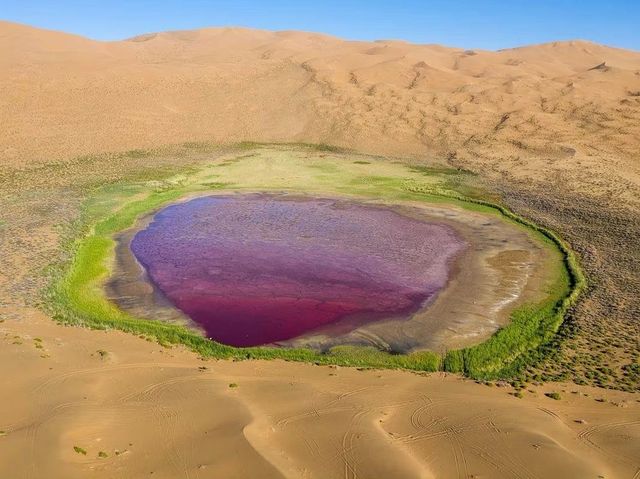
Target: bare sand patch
164,411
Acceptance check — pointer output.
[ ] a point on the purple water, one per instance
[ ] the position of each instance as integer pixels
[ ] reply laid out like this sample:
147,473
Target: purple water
258,269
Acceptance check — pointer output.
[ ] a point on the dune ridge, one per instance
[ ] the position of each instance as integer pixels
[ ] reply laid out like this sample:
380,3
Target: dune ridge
530,111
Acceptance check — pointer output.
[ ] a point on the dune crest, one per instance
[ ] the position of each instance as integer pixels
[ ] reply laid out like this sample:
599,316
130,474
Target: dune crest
389,97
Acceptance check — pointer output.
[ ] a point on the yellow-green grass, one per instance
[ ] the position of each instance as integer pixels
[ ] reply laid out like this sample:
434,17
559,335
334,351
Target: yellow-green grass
76,295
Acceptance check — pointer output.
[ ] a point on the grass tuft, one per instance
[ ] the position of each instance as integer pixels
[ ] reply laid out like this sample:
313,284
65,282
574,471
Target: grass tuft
80,450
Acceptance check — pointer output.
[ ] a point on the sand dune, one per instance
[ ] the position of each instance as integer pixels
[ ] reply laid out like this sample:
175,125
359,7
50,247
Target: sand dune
565,114
165,413
532,111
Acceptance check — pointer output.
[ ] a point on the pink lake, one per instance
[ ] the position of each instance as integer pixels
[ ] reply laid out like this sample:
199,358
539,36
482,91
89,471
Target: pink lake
257,269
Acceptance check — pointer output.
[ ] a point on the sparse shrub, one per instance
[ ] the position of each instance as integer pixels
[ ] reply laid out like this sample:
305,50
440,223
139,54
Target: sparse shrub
326,147
454,361
138,153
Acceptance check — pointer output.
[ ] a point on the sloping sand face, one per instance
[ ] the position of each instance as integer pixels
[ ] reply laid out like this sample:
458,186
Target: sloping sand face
258,269
165,414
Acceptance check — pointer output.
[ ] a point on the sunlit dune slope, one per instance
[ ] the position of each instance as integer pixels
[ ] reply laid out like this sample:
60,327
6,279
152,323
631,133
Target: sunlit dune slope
533,110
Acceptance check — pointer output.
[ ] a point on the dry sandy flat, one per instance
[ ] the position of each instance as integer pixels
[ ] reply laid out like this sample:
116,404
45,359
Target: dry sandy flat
156,413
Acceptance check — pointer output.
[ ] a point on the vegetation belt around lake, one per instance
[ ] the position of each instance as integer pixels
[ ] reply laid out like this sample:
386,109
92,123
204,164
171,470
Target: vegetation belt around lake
76,296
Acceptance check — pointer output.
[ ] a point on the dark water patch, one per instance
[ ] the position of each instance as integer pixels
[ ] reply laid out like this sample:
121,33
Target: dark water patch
258,269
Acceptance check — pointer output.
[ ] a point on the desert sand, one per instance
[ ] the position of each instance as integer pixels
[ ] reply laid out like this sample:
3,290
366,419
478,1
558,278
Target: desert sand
530,111
560,118
165,414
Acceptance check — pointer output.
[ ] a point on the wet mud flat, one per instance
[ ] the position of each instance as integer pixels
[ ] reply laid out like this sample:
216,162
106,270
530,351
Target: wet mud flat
260,269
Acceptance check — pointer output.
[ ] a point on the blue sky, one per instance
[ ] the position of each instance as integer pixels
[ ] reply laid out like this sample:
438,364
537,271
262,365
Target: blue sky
488,24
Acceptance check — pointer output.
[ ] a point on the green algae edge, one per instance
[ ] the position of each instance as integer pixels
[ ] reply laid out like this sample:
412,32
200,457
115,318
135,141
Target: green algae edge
75,297
522,342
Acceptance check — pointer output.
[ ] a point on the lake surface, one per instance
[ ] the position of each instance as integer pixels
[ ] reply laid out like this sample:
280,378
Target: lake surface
257,269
